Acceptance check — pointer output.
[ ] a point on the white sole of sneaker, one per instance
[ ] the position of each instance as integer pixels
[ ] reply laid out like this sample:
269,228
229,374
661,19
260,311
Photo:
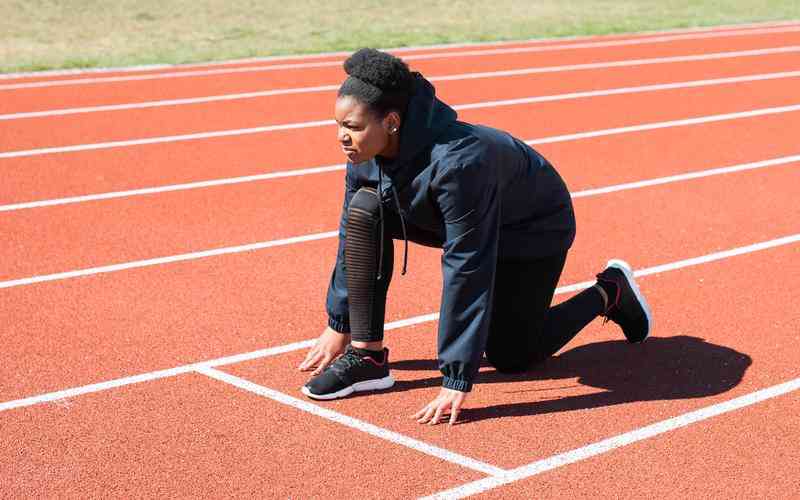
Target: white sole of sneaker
628,272
367,385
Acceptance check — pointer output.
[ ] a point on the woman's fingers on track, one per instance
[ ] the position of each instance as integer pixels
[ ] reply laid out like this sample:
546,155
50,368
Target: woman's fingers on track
312,358
455,408
323,363
419,414
438,414
429,411
454,415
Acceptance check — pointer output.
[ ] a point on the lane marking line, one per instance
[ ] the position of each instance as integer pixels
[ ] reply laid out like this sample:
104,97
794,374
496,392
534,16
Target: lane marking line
333,234
295,346
169,259
456,45
454,77
170,187
353,423
332,168
619,441
410,57
459,107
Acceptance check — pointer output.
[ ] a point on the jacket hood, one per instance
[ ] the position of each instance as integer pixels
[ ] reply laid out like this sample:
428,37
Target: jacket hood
425,119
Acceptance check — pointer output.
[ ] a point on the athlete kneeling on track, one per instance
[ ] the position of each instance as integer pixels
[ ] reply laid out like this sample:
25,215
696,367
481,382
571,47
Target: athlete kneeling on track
498,209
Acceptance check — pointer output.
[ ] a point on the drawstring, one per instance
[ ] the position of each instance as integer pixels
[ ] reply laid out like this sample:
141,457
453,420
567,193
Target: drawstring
403,225
380,208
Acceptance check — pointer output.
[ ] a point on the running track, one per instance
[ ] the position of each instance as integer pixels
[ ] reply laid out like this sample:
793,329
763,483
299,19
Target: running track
168,242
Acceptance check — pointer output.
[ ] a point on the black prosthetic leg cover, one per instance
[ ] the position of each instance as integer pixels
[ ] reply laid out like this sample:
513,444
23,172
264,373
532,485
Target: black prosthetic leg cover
363,260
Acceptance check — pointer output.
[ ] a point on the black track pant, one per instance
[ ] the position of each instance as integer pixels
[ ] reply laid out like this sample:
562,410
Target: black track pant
524,328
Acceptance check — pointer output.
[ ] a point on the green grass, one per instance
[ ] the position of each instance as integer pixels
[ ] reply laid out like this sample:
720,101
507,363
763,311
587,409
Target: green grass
44,34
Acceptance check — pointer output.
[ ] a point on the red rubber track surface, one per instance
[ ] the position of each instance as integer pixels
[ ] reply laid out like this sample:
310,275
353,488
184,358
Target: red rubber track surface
102,93
722,328
599,385
694,465
288,149
195,436
172,223
163,316
283,109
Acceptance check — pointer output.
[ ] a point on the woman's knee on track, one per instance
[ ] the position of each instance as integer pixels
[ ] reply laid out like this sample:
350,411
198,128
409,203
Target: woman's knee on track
513,358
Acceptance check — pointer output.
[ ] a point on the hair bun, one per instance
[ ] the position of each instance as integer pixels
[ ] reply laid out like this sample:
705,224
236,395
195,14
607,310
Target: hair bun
381,69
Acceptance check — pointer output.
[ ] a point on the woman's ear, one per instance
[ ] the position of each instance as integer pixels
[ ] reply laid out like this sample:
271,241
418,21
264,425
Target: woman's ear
391,122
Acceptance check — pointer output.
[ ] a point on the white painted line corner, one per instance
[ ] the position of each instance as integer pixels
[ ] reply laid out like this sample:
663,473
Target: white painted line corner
353,423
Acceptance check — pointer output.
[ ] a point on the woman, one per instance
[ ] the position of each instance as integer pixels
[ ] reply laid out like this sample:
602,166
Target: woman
499,211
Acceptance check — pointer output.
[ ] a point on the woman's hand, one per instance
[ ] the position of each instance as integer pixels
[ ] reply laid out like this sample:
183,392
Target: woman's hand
328,347
448,399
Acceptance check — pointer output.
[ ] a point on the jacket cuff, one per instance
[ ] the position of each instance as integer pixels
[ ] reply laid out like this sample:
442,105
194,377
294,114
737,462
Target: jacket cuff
457,385
340,326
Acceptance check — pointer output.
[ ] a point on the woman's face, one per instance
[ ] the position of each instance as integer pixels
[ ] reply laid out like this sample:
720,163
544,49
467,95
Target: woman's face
361,134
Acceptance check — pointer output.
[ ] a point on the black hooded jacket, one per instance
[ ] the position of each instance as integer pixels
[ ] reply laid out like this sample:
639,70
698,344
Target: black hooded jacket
487,196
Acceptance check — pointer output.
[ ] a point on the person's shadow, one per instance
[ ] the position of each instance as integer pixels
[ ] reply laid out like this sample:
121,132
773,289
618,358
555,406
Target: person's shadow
679,367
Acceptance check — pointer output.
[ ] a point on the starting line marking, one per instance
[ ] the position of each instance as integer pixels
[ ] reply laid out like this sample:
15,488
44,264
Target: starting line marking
354,423
273,351
615,442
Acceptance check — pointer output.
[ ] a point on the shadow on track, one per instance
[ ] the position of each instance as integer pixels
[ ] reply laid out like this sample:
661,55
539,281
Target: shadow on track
680,367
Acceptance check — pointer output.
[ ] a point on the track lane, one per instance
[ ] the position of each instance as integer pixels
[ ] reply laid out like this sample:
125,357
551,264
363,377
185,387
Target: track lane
73,332
85,172
202,438
701,353
63,238
35,99
749,451
189,283
87,128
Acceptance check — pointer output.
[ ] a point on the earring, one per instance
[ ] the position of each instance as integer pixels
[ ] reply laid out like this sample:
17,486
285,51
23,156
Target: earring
393,131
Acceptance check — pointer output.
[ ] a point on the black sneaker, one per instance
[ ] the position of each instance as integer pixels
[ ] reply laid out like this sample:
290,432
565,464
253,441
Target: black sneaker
351,372
628,308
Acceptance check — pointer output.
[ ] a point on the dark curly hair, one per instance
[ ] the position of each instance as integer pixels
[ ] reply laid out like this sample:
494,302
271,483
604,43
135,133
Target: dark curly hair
378,79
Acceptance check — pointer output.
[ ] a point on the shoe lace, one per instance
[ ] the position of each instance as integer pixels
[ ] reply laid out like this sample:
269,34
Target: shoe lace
349,359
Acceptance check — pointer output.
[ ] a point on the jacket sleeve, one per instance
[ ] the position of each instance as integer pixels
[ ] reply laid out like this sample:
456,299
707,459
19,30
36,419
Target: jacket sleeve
469,201
336,302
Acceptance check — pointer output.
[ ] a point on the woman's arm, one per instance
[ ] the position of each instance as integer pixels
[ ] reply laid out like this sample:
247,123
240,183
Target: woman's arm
468,198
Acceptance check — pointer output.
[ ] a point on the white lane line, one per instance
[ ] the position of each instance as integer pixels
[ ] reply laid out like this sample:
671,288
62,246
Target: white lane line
331,168
687,176
167,260
630,90
295,346
410,57
155,375
333,234
354,423
674,123
619,441
322,123
171,187
455,77
455,45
